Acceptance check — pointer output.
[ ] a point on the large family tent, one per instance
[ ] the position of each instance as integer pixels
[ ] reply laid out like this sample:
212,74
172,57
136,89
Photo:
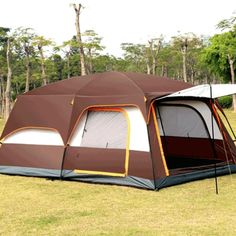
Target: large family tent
119,128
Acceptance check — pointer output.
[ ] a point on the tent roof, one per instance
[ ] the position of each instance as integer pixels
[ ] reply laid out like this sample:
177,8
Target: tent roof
71,97
113,84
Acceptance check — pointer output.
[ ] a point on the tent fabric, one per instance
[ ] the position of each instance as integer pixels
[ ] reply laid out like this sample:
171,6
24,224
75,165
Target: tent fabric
27,136
113,128
207,91
68,99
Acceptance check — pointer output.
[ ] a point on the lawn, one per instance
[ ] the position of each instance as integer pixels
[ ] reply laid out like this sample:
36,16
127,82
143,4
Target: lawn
1,125
232,119
37,206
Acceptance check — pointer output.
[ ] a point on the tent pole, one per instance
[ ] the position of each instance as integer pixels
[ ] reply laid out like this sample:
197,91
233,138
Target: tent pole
151,154
162,126
63,159
213,139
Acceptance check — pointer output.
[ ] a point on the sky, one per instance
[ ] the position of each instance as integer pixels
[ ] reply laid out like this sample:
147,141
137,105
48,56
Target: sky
117,21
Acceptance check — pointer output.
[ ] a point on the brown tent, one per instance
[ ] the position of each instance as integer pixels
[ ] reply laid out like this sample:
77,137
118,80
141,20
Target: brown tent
119,128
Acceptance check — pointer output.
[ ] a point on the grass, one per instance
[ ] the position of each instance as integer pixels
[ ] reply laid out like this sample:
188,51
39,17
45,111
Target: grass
232,119
31,206
2,122
37,206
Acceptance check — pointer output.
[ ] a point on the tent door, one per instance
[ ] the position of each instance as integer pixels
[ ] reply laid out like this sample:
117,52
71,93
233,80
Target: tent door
104,148
185,136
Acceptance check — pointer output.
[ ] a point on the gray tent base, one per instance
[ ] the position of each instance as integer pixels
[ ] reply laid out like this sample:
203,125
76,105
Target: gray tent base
125,181
196,175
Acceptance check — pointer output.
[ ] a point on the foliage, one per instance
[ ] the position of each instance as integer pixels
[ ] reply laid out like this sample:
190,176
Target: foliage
216,55
135,57
32,54
225,102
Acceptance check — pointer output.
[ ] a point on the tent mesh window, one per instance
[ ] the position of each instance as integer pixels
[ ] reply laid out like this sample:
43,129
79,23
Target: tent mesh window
182,121
105,129
185,137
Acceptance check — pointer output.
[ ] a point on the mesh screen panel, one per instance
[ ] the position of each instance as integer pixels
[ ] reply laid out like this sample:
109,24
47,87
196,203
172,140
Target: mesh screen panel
105,129
181,122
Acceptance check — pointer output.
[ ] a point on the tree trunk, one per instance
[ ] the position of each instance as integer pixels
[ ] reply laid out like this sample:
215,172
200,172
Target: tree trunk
90,61
79,39
154,65
17,88
148,69
154,54
27,69
68,64
164,71
231,64
27,74
192,75
146,57
153,61
184,47
43,73
8,85
2,96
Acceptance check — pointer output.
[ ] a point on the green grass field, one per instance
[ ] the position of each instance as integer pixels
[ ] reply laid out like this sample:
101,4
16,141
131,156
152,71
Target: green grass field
37,206
232,119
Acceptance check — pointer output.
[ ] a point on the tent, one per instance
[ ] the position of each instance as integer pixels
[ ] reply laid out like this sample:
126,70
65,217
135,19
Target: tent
119,128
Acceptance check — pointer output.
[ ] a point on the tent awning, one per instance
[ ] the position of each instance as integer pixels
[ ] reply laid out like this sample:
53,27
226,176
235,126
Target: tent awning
206,91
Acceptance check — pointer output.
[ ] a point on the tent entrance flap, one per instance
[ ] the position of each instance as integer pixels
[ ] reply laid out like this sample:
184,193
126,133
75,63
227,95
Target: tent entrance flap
186,139
105,138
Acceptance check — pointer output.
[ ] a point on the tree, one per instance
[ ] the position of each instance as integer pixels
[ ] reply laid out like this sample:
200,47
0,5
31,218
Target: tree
153,50
181,41
66,49
220,55
136,58
9,79
169,61
40,42
56,67
92,43
227,24
189,46
70,50
5,42
143,58
103,63
24,38
230,47
79,38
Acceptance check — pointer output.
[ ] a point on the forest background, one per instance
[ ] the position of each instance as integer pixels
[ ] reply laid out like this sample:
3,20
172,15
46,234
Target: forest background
29,60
